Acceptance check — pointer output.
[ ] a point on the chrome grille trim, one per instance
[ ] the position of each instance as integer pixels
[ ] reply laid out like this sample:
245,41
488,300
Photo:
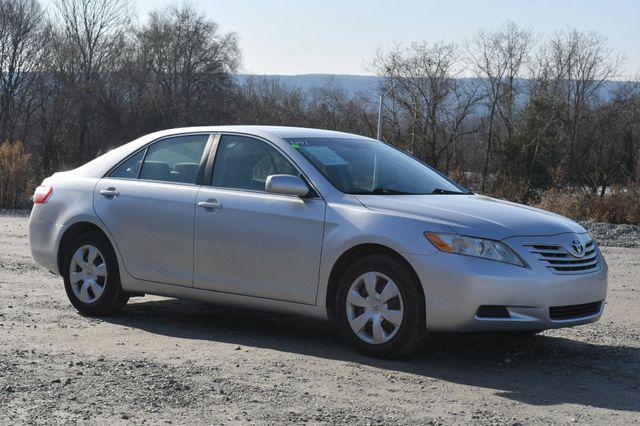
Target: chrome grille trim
560,261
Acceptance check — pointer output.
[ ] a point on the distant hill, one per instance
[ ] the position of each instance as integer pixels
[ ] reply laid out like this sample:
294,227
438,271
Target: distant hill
367,84
351,84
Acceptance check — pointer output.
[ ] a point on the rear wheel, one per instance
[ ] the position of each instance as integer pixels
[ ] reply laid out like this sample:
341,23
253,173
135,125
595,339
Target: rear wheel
380,308
91,276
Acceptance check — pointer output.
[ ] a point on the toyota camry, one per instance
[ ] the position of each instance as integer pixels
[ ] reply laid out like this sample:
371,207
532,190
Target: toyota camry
311,222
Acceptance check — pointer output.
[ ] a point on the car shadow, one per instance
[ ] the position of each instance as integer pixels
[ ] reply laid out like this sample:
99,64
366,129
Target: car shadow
537,370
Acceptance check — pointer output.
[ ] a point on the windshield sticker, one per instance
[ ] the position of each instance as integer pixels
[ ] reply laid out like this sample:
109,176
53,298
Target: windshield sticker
325,155
298,142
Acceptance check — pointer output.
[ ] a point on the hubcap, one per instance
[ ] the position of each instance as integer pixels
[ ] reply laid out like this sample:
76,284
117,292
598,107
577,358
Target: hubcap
88,274
374,308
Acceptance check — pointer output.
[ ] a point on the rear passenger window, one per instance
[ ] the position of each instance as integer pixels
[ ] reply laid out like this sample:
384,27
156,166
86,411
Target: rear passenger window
130,168
174,159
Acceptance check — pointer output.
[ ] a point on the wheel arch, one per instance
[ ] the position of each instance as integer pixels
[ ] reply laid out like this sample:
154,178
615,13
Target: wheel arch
354,254
72,232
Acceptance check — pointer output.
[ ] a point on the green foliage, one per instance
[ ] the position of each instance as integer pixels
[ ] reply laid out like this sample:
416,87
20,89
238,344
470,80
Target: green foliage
531,156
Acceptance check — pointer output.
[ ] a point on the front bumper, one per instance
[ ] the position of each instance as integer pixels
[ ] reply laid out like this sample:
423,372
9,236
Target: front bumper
456,286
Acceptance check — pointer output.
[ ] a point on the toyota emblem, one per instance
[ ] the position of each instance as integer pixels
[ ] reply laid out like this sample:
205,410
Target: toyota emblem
577,247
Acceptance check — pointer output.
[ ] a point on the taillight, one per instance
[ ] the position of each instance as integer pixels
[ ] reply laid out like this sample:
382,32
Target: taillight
43,192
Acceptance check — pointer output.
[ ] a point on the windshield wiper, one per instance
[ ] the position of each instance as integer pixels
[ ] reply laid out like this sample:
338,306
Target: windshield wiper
383,191
447,192
391,191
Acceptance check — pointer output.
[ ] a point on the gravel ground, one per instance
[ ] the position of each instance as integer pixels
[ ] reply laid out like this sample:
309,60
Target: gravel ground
168,361
609,234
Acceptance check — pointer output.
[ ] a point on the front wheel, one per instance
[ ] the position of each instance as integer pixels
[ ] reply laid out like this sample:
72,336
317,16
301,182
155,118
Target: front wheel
380,308
91,276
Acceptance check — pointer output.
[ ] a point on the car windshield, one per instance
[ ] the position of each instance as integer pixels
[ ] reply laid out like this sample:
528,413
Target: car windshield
361,166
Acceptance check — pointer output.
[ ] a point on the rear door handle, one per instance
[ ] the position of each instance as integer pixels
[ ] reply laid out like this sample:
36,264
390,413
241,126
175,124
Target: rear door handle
210,204
109,192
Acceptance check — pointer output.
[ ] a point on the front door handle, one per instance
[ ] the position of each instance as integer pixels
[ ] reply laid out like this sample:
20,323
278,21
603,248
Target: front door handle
210,204
109,192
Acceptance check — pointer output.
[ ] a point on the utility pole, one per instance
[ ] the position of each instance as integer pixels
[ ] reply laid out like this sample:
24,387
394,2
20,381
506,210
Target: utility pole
382,96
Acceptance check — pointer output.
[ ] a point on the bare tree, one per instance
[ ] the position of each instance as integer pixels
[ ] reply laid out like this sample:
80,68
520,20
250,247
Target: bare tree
90,37
330,107
262,100
498,58
191,61
22,42
610,145
575,70
52,110
435,102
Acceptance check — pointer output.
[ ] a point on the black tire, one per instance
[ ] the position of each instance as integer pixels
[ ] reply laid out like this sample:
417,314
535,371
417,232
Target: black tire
409,337
113,297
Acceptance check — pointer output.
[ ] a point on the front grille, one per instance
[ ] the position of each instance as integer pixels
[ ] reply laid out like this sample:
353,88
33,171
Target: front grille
560,261
574,311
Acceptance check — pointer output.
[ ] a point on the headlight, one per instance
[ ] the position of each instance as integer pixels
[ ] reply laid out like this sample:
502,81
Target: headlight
477,247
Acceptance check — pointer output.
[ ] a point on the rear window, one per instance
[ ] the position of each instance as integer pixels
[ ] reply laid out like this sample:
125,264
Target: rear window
130,168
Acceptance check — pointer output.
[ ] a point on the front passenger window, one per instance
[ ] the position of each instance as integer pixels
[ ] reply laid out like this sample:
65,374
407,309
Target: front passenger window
245,163
175,159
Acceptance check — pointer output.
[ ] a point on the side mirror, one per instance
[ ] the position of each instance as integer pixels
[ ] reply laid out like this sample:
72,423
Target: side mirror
286,185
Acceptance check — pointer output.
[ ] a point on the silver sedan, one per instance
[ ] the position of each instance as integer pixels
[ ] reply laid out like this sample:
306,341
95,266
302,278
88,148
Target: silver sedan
313,222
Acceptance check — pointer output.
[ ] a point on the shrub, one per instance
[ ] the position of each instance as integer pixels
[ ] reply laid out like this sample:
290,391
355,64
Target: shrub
15,177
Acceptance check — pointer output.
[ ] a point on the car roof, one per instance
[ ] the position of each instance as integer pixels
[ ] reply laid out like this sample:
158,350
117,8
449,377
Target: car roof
284,132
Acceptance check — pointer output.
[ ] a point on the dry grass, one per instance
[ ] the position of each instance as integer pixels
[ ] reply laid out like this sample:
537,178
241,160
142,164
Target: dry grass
619,205
15,175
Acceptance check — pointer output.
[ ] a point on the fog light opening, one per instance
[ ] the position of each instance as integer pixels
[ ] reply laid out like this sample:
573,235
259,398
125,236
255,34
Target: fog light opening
493,311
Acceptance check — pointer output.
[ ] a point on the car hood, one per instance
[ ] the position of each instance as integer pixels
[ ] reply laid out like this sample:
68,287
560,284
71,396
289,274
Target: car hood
474,215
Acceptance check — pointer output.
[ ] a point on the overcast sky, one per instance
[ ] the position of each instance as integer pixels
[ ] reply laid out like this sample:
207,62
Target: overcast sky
340,36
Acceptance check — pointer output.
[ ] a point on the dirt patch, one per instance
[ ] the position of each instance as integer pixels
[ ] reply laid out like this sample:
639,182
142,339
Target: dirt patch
170,361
